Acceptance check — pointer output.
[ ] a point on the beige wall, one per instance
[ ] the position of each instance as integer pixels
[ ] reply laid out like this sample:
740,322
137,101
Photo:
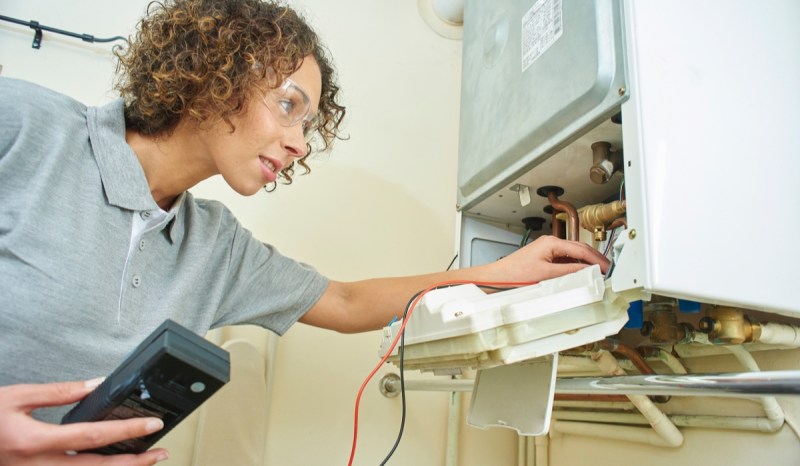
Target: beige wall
382,203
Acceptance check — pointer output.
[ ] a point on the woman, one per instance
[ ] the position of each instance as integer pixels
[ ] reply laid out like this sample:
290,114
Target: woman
100,240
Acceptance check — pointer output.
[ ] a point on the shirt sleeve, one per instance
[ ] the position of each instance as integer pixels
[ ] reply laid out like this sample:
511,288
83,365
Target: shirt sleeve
265,287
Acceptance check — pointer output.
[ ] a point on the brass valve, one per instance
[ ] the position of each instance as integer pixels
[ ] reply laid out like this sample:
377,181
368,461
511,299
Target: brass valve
729,326
605,162
596,216
663,326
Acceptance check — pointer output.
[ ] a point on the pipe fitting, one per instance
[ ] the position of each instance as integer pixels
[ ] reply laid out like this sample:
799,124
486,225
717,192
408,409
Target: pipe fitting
663,326
573,222
729,326
599,218
604,162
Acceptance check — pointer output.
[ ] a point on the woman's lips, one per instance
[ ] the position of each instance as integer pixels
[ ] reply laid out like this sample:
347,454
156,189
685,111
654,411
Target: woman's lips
270,168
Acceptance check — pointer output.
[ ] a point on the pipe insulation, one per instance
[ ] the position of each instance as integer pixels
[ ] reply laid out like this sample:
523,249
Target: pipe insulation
453,429
780,334
772,409
746,423
541,450
661,424
673,363
611,432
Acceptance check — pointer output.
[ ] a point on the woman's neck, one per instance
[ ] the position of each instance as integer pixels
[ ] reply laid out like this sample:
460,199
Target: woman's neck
172,164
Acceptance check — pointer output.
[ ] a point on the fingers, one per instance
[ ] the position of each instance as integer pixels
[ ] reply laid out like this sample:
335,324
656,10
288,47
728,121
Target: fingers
24,440
90,435
578,251
557,270
143,459
32,396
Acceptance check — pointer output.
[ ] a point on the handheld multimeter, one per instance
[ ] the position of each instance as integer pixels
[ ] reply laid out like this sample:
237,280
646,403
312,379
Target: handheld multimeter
170,374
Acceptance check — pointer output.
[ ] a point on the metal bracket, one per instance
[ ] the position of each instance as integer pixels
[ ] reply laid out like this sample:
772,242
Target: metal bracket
37,35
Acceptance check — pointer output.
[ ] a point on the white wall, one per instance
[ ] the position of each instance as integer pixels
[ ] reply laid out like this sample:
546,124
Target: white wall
69,65
382,203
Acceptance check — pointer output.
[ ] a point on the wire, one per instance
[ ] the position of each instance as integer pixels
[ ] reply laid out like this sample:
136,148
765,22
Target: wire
41,27
400,337
401,352
611,240
525,237
452,262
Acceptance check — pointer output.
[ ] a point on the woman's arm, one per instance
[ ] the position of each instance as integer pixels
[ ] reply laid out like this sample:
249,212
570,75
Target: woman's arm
350,307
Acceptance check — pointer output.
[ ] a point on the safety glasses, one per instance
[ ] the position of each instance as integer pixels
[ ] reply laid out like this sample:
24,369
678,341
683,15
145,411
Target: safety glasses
290,105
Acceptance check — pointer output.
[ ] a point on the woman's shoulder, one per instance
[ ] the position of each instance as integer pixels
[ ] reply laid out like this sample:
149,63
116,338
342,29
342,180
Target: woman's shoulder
209,211
20,99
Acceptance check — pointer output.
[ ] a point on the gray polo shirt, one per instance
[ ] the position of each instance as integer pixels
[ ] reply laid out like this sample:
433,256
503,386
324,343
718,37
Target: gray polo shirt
75,294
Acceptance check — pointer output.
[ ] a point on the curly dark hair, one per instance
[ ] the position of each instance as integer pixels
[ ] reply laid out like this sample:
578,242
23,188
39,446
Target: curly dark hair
201,59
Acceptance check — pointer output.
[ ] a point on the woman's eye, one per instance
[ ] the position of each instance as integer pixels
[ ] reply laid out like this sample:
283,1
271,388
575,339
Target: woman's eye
287,105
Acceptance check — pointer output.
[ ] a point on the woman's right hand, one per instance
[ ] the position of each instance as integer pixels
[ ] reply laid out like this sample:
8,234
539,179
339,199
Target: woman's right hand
27,441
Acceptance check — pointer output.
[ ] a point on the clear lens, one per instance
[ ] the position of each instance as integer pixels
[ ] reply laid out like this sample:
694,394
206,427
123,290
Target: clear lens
290,105
309,126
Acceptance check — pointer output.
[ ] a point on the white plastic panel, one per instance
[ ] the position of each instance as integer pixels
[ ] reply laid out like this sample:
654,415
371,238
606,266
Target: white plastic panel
517,396
463,327
711,135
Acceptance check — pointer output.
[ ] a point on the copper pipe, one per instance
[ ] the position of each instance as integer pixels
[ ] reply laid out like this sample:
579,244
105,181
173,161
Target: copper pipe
556,224
558,227
631,354
573,225
651,351
621,221
614,346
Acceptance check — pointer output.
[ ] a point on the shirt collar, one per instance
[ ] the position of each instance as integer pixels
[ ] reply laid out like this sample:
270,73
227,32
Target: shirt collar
176,229
120,171
124,182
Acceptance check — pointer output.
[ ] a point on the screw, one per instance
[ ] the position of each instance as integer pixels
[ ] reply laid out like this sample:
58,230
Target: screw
621,91
632,234
458,314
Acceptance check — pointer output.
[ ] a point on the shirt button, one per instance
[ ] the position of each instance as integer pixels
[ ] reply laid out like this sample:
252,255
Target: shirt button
136,281
145,214
141,245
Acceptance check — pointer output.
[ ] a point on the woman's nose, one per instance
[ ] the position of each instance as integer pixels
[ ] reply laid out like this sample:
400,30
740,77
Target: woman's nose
294,141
